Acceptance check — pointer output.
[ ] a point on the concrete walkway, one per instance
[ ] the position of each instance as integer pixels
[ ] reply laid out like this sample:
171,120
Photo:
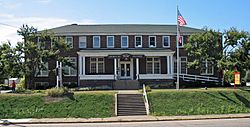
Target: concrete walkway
120,119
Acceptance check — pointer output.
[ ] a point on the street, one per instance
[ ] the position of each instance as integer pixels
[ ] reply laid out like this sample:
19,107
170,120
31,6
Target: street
243,122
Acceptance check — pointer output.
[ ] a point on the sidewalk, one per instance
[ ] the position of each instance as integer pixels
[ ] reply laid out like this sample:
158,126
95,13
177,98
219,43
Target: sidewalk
120,119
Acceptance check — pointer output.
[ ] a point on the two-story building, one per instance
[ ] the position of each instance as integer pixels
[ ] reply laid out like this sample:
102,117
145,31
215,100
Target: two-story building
108,55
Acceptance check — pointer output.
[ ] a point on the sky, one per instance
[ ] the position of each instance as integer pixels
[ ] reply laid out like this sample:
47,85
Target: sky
46,14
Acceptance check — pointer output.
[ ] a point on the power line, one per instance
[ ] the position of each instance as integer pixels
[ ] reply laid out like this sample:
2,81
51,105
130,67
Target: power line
4,24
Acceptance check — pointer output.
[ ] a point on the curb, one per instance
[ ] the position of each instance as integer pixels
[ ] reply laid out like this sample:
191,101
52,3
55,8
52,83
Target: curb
123,119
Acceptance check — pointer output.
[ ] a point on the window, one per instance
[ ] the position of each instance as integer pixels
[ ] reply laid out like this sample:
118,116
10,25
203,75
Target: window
96,41
181,41
53,40
82,41
207,68
166,41
69,41
40,43
44,71
96,65
153,65
110,41
124,41
70,70
138,41
183,65
152,41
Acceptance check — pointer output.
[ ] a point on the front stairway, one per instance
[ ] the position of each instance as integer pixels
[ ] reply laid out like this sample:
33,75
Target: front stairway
130,104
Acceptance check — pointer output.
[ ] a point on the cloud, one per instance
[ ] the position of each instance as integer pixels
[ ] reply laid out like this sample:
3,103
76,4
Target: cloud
9,25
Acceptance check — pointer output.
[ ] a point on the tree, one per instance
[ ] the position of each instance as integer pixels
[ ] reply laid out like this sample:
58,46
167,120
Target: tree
10,64
35,54
204,46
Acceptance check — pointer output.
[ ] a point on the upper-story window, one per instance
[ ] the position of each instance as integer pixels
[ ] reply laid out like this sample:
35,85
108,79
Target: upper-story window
96,41
181,41
82,42
166,41
110,41
124,41
152,41
69,41
138,41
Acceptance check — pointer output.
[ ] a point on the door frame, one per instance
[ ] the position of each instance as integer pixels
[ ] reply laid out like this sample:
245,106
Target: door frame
131,69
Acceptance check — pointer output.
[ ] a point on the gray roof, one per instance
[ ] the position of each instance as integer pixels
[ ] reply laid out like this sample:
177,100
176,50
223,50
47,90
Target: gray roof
121,28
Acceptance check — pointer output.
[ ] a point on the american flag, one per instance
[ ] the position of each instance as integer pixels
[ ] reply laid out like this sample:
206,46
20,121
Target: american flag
181,20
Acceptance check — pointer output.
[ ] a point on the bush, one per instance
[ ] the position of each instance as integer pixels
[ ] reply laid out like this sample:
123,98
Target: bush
57,92
148,89
229,76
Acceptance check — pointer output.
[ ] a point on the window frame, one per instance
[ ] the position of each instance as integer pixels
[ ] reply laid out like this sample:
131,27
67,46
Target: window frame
113,41
149,45
96,62
85,46
66,41
70,69
163,38
153,65
181,65
99,42
206,68
40,73
182,40
126,42
139,46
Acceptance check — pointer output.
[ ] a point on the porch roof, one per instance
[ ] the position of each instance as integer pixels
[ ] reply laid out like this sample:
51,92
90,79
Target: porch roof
145,52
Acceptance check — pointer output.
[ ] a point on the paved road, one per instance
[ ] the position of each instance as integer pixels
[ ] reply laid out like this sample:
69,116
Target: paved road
189,123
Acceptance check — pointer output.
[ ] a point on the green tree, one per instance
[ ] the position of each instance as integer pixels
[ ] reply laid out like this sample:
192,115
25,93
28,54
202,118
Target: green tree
10,64
204,46
36,54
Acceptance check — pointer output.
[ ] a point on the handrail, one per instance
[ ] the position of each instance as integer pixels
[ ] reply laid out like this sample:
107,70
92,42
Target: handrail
198,77
116,104
145,99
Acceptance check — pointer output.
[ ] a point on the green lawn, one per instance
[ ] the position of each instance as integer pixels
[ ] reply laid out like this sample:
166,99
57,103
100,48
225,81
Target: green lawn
198,102
84,105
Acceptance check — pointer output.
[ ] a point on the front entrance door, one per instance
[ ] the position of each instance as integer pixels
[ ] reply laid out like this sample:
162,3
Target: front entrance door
125,70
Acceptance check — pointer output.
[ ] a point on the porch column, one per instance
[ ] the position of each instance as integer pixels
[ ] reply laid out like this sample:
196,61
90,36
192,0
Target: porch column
115,68
168,65
83,65
172,64
137,68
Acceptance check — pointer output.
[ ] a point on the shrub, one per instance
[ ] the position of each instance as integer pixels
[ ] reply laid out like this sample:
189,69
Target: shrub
229,76
148,89
57,92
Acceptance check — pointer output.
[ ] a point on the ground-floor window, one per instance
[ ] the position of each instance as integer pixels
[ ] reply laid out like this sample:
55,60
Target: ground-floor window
96,65
207,67
70,70
183,65
43,71
153,65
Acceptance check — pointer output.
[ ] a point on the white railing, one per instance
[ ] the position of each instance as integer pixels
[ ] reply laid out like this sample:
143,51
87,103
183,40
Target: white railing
198,78
145,99
116,104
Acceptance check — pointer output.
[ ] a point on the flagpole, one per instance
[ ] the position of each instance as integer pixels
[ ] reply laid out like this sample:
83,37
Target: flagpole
177,54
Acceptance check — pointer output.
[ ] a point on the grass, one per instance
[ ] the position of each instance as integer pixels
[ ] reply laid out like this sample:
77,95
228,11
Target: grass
80,105
199,102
